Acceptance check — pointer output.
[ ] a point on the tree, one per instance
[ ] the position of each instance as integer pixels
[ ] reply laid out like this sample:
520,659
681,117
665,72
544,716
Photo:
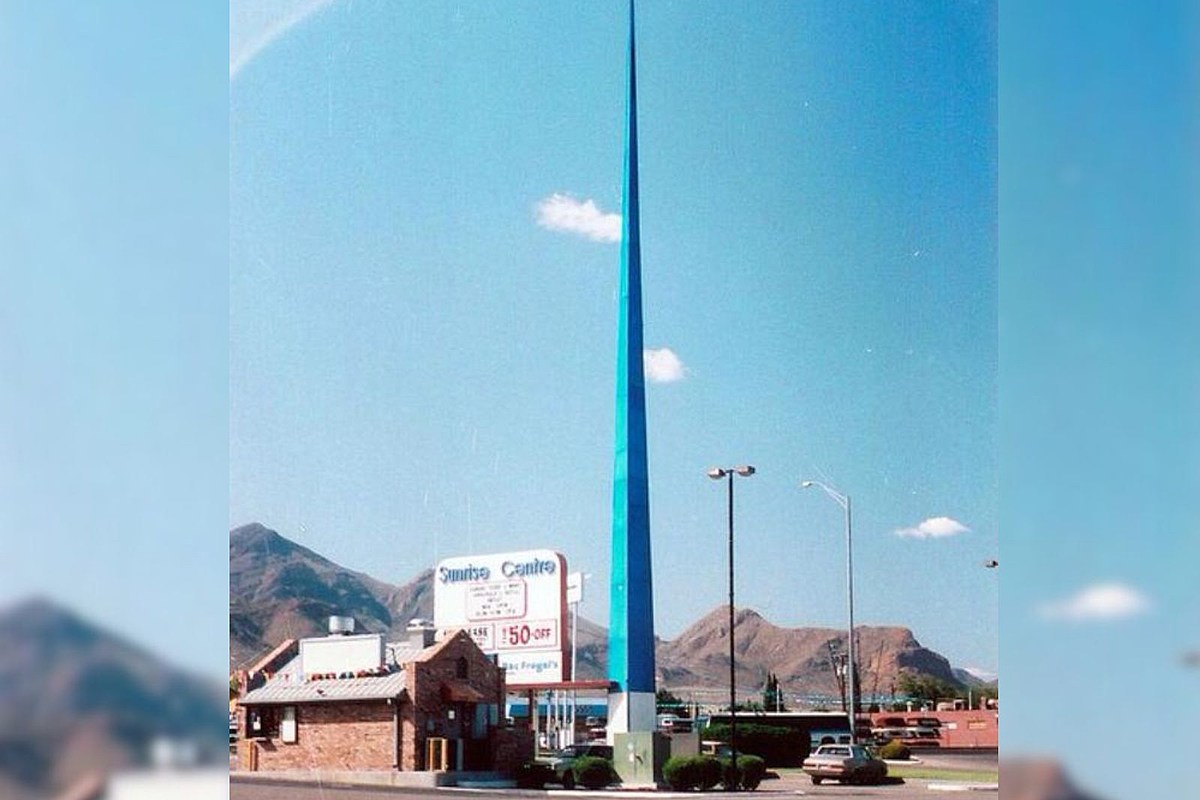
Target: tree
772,694
928,687
667,703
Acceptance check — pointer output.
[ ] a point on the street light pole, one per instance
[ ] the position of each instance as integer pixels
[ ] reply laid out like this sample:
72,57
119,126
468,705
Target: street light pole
717,473
844,501
574,598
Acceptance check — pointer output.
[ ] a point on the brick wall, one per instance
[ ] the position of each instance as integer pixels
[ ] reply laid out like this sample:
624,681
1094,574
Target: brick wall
331,736
511,747
412,741
427,716
969,728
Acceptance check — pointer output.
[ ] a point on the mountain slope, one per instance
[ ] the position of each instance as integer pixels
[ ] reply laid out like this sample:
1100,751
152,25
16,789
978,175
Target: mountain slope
1038,779
75,699
973,681
799,657
279,589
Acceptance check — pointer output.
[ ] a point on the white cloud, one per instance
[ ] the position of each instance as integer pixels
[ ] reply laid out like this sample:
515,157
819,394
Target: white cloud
561,212
1101,601
934,528
663,366
981,673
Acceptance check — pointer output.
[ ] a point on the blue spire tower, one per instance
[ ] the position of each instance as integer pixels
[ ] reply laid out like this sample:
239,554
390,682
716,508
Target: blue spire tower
631,609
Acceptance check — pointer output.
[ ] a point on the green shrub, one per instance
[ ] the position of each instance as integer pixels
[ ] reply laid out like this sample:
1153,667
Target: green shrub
532,775
708,772
748,775
687,773
682,773
752,769
895,751
592,773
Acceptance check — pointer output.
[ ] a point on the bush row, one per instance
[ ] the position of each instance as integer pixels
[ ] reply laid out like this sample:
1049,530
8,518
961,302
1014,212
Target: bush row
593,773
689,773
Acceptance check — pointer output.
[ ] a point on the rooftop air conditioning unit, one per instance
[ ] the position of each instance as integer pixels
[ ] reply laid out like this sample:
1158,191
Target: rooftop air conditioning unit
341,626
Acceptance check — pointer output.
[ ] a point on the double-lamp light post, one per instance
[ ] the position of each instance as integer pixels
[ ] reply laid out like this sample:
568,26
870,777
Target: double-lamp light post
844,501
717,473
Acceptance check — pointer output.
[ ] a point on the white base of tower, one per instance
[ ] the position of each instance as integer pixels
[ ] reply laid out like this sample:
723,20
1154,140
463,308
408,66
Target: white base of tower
629,712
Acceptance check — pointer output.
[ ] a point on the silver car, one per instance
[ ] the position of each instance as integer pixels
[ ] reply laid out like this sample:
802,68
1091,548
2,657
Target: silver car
847,763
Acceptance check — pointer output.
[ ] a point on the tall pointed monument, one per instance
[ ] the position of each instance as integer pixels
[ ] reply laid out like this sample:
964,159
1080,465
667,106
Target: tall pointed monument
631,604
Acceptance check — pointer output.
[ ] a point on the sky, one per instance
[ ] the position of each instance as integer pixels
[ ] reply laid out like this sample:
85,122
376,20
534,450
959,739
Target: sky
1100,475
167,371
114,309
425,204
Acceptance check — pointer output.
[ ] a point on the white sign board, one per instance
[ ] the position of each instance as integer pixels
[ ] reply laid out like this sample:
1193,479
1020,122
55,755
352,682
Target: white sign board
338,654
524,668
513,605
575,588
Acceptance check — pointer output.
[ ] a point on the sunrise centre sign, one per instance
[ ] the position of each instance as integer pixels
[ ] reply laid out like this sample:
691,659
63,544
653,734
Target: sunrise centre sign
514,605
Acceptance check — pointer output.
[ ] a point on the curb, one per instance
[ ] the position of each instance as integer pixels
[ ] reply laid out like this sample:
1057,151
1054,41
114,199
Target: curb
952,786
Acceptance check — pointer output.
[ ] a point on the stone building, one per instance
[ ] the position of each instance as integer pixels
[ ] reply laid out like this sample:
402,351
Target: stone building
356,702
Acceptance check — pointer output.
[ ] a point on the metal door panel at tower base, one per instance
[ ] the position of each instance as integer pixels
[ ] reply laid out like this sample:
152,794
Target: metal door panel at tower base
513,605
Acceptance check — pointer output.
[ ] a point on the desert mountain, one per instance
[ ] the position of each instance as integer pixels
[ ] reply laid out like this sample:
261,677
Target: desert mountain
75,699
279,589
1037,779
972,681
799,657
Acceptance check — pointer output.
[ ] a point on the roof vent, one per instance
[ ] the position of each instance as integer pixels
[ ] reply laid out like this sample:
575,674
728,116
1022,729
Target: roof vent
421,632
341,626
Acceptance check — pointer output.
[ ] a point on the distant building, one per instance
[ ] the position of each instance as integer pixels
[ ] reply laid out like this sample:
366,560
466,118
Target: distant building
356,702
961,728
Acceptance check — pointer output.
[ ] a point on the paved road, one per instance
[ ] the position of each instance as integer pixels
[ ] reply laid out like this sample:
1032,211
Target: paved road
914,790
792,784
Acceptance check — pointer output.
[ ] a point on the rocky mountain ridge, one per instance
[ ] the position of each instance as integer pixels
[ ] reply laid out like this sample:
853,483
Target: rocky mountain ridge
280,589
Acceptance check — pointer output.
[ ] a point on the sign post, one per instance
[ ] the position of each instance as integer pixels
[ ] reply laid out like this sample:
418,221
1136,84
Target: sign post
574,598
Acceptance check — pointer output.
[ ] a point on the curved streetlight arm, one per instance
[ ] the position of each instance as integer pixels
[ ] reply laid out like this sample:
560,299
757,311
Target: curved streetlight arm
839,498
844,501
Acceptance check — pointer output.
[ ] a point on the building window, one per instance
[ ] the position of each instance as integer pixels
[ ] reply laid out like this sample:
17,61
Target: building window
262,723
460,668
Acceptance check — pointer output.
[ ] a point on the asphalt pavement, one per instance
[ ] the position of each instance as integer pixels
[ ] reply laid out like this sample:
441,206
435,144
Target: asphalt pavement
791,784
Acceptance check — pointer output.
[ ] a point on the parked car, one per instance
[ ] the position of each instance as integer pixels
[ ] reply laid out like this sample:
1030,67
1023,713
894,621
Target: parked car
716,749
881,736
846,763
922,732
564,761
816,738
